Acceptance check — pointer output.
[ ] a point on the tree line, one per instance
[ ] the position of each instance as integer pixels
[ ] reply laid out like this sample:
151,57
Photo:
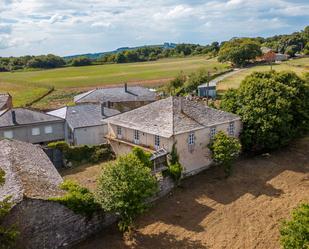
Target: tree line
239,51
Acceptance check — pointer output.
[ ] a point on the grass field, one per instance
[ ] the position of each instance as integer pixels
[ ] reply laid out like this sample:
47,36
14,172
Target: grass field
24,85
299,66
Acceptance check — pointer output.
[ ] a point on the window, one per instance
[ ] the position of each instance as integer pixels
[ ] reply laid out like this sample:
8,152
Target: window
8,134
119,132
191,139
35,131
48,129
212,132
136,136
231,129
157,141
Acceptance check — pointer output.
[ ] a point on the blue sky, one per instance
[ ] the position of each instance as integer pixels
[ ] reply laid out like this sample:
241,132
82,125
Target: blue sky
67,27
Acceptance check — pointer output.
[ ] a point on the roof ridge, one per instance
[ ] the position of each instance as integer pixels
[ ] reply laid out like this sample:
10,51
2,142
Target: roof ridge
89,92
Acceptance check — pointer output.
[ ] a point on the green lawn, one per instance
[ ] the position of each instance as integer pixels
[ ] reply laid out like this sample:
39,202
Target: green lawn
299,66
24,85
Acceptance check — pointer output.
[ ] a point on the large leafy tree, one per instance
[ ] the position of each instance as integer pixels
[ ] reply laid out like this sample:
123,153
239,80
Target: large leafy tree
295,232
239,51
225,150
274,108
124,187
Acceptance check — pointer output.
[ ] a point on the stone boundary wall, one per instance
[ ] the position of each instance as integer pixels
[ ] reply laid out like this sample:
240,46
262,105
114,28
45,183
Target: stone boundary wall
50,225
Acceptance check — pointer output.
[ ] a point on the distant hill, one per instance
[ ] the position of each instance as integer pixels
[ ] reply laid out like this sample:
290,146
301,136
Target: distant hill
98,55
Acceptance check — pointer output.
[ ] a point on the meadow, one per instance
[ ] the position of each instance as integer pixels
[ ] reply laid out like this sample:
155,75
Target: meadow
299,66
26,86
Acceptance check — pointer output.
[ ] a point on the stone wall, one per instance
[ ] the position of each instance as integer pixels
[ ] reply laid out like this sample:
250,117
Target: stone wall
50,225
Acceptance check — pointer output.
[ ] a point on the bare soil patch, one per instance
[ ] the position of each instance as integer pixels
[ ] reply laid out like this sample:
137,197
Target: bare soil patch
208,211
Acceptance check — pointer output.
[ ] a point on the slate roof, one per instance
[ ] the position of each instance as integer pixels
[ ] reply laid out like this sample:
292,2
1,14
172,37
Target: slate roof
171,116
84,115
25,117
28,172
3,99
116,94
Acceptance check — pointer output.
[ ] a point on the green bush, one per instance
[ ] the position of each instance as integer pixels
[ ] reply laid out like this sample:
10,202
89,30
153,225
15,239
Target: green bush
274,107
295,232
175,171
175,168
143,156
124,187
92,154
224,150
79,199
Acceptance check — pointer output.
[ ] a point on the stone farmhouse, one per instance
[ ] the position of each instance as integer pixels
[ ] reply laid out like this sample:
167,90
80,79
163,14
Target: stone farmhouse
120,98
84,123
175,119
5,101
31,180
30,126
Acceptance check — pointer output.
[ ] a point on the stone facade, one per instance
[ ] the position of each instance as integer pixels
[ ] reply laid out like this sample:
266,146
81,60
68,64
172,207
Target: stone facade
50,225
194,158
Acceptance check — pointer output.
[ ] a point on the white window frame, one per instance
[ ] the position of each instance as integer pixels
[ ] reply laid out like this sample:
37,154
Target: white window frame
232,128
157,141
8,134
213,132
48,129
191,139
35,131
119,131
136,136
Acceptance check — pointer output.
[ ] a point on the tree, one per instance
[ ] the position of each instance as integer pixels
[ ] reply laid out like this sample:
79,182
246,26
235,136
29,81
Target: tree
143,156
175,86
8,235
124,187
270,57
81,61
195,79
225,150
239,51
295,232
274,108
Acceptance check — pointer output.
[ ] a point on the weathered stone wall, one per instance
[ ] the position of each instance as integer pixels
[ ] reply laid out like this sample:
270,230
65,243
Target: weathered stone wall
50,225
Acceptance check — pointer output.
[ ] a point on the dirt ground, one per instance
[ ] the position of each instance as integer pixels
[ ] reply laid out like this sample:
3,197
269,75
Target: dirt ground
208,211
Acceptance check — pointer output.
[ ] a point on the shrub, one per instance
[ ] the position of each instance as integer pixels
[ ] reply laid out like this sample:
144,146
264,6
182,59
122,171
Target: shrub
79,199
124,187
175,171
295,232
143,156
93,154
224,150
175,168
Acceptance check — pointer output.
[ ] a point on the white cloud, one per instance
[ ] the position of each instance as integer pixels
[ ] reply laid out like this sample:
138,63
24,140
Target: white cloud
77,26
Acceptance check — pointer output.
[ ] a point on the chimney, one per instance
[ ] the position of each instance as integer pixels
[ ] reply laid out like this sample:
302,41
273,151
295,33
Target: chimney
126,87
180,104
14,117
102,109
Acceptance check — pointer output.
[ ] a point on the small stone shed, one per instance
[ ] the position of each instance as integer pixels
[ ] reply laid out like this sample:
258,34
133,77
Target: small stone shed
30,180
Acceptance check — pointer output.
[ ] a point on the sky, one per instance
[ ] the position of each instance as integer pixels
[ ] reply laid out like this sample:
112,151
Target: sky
66,27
